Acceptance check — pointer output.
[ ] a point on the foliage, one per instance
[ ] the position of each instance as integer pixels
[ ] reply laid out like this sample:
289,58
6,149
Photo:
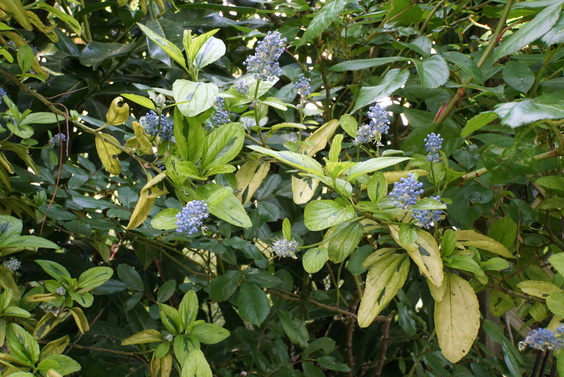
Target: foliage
265,188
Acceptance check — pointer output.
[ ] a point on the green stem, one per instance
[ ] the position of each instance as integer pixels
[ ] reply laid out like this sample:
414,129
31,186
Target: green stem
447,110
87,35
257,119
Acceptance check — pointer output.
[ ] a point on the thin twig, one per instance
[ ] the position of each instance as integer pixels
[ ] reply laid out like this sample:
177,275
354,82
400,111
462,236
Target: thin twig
385,340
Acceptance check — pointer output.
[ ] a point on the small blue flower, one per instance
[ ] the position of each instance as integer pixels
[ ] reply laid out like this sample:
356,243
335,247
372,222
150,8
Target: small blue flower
284,248
2,93
157,125
379,120
61,291
264,63
426,217
12,45
364,135
542,339
192,217
433,143
12,265
406,191
242,86
57,139
303,87
220,117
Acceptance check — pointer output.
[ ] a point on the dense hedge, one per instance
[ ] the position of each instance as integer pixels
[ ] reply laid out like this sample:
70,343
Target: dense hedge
281,188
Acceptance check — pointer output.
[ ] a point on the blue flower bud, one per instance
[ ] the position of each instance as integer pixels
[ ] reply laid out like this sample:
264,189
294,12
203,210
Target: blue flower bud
405,192
284,248
433,143
264,63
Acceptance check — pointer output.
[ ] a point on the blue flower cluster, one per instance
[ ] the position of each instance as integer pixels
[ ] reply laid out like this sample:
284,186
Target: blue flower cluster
264,63
433,143
192,217
284,248
379,125
2,94
303,87
57,139
220,117
12,265
427,217
406,191
379,120
542,339
242,86
61,291
12,45
157,125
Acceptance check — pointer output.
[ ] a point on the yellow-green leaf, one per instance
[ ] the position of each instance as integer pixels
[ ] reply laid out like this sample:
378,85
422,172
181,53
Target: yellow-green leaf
107,153
384,280
425,253
457,318
538,288
472,238
249,178
80,319
143,337
318,140
303,189
118,112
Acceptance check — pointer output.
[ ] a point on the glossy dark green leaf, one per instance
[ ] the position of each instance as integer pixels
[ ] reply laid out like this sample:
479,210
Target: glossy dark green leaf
252,304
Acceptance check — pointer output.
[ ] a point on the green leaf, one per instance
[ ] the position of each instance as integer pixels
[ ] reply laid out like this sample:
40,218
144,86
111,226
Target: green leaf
555,302
166,290
556,34
472,238
295,329
194,98
224,204
433,71
385,278
275,103
466,64
167,46
129,276
223,286
537,288
209,333
296,160
516,114
359,64
22,345
552,182
43,118
425,253
343,240
322,214
55,270
94,277
372,165
314,259
107,153
212,50
188,309
171,319
518,76
478,122
196,365
166,219
252,304
349,124
140,100
505,231
223,145
495,264
95,52
143,337
529,33
326,15
467,263
9,227
66,364
407,234
392,81
457,318
557,261
324,343
329,362
28,242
